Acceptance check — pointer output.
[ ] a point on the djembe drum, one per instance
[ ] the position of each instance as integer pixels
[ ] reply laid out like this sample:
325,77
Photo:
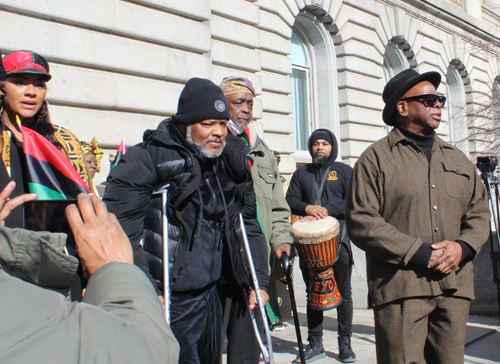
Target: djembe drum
318,246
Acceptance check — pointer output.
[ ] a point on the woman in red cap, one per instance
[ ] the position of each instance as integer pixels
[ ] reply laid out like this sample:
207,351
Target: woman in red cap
26,89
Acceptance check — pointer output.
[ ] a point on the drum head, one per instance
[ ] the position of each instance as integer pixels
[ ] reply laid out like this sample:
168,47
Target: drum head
314,231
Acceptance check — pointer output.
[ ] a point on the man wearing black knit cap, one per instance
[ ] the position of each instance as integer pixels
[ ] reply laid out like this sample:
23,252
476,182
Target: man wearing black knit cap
209,185
419,210
318,190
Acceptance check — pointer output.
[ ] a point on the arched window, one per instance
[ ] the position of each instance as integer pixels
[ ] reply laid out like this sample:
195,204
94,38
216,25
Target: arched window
302,86
314,73
455,112
394,62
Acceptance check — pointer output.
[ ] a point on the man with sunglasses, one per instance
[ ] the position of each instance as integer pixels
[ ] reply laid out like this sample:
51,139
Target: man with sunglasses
419,210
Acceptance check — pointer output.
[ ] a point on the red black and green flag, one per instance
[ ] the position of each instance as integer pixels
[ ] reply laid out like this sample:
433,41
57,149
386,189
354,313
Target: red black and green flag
50,174
122,149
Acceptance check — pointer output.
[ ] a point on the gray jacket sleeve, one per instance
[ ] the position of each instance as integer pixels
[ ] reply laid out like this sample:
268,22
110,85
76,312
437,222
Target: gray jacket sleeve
38,258
273,209
122,321
280,213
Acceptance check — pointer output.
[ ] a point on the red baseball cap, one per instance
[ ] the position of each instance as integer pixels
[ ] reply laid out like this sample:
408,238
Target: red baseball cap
26,62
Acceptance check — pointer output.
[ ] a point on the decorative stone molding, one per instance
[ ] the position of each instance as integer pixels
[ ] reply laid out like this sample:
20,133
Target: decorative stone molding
401,43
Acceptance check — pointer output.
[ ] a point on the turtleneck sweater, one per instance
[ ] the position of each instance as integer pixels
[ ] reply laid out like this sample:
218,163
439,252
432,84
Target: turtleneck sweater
424,142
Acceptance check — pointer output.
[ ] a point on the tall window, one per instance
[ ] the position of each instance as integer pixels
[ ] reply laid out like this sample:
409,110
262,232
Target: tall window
302,108
454,116
394,62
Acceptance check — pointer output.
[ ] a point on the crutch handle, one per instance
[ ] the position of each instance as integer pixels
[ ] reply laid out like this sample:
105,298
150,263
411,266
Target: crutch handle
285,264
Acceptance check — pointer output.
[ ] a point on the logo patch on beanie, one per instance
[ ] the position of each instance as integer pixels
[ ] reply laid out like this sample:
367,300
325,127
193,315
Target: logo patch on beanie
220,105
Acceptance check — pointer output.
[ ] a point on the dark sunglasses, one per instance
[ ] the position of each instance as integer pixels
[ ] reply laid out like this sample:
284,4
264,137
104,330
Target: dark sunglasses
428,100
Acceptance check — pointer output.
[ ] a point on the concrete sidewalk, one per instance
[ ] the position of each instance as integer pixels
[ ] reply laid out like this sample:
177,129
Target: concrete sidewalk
482,340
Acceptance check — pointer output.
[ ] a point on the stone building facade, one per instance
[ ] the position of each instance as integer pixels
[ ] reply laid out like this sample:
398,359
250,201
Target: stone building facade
118,66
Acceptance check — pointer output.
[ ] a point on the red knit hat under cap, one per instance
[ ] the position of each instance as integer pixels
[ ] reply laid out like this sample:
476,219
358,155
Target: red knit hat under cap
26,62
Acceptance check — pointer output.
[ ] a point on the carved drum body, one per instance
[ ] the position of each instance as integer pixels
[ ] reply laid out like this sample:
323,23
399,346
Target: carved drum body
318,246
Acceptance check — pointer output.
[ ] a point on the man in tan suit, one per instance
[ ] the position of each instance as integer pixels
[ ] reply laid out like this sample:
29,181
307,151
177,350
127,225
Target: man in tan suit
419,210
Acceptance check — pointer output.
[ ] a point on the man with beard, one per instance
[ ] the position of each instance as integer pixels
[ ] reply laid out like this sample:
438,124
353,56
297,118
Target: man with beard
209,183
242,346
318,190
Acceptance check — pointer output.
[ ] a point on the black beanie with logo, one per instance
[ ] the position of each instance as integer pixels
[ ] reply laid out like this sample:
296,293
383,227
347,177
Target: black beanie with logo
201,99
320,134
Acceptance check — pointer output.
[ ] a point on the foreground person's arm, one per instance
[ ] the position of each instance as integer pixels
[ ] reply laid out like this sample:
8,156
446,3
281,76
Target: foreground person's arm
120,288
128,324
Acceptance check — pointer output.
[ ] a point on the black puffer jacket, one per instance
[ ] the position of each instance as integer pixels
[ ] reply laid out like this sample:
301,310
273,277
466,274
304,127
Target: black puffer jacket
161,161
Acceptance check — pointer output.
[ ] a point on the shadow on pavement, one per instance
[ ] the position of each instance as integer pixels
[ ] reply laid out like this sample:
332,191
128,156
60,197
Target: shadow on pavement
286,341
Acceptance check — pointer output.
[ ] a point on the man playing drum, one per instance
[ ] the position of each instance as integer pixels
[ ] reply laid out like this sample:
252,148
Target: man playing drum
318,190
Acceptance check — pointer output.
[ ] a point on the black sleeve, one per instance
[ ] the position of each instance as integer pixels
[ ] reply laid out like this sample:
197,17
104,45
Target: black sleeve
128,191
337,209
423,255
467,252
294,195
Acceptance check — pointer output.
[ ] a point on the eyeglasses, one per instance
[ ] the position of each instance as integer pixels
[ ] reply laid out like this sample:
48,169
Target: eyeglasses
428,100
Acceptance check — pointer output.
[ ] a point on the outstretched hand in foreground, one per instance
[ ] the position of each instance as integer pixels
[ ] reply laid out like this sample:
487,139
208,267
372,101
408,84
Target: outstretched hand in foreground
98,235
7,205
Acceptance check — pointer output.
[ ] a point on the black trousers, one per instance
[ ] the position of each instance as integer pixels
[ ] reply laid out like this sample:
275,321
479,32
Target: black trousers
242,344
196,321
342,271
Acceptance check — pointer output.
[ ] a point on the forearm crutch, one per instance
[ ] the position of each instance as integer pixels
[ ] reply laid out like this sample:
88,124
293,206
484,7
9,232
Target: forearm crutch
166,272
285,264
268,355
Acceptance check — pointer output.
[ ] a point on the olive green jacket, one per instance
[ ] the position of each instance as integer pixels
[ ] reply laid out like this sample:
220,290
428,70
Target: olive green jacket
272,207
398,200
122,320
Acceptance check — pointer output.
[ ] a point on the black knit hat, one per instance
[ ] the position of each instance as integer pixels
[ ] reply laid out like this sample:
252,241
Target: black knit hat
201,99
3,75
329,137
320,134
399,85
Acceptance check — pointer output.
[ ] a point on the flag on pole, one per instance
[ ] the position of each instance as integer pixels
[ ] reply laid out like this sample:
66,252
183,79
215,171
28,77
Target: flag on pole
50,174
122,149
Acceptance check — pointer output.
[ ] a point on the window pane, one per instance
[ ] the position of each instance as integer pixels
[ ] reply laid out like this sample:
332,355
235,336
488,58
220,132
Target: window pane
299,55
300,108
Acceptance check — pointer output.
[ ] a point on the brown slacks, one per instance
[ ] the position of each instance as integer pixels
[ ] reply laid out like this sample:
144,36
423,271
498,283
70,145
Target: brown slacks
423,330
